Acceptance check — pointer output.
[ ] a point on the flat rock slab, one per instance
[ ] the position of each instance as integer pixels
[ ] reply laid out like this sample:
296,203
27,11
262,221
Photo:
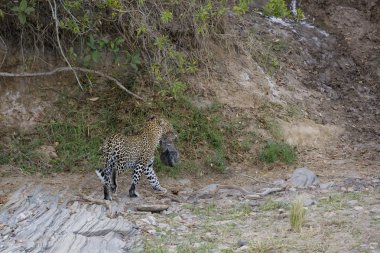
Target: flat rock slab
36,220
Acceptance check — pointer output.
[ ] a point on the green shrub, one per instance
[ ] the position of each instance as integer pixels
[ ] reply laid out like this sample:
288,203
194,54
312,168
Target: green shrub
277,151
276,8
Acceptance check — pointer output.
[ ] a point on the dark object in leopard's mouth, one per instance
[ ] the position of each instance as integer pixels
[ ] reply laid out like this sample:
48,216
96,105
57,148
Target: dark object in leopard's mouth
169,155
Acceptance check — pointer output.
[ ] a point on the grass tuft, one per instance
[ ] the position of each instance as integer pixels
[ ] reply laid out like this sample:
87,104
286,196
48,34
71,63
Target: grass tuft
297,215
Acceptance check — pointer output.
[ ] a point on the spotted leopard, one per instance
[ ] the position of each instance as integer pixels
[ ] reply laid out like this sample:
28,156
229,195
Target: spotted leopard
136,152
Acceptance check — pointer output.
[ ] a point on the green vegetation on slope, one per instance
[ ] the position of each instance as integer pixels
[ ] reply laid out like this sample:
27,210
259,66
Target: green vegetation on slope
150,46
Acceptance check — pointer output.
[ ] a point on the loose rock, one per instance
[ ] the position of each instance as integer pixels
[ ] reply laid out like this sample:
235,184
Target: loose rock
375,209
303,178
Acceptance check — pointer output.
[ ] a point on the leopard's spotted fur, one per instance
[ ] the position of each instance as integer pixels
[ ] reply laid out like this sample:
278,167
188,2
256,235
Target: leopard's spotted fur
136,152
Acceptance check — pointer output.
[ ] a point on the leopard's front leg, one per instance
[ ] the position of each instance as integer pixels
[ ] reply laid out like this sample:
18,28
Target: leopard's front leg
153,180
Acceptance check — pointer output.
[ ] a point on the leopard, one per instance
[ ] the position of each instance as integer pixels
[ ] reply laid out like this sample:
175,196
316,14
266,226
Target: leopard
136,152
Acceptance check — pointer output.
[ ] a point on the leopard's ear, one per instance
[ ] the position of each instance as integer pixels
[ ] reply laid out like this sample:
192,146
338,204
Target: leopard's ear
151,117
163,122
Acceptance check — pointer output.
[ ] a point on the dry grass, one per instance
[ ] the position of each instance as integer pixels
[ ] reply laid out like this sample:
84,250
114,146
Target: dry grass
297,215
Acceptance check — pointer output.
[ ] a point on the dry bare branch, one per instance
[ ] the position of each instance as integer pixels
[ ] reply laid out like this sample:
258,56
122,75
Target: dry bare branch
62,69
54,14
5,49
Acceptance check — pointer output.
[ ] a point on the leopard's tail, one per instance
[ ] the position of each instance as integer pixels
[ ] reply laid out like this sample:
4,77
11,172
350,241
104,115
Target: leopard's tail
105,173
101,174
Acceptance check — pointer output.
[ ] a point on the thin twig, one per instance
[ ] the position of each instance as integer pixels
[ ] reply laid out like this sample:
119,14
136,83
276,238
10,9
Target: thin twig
54,13
264,193
61,69
6,51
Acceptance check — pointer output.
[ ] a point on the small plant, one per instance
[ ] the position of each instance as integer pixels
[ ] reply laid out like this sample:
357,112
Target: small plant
94,51
297,215
161,41
277,151
299,14
133,60
166,16
217,160
202,17
175,90
22,11
276,8
242,7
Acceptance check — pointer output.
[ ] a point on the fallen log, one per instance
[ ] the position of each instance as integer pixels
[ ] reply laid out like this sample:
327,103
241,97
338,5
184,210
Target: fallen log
155,208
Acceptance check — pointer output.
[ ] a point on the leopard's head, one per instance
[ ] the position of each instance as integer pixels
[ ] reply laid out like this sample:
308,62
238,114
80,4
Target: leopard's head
161,126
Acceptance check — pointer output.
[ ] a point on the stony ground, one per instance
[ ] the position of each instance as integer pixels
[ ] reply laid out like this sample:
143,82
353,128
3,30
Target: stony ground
51,215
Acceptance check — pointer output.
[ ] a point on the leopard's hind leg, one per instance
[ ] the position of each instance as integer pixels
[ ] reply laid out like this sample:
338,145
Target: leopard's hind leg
108,178
105,177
